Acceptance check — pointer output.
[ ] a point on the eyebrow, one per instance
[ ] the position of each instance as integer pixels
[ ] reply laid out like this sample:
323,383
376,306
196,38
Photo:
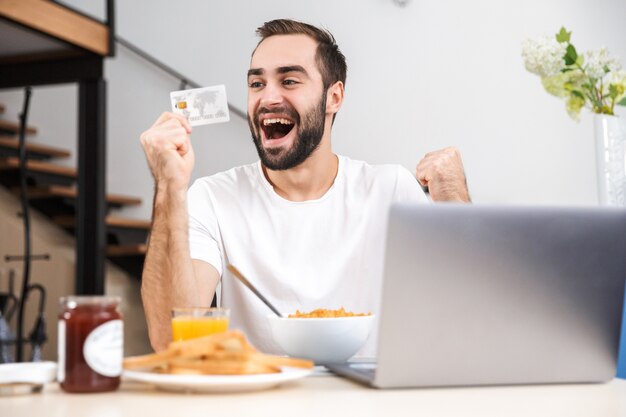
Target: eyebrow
292,68
256,71
280,70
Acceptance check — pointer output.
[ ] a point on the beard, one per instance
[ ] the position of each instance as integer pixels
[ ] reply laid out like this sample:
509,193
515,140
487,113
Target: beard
308,137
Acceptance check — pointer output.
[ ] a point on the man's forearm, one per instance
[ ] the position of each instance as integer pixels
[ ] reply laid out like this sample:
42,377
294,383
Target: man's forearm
168,277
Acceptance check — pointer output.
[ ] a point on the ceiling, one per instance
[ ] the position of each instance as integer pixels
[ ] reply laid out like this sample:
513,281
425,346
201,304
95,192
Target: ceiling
16,40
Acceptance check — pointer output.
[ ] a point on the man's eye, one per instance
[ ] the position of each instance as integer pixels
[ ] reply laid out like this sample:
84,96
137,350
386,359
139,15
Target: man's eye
255,84
290,82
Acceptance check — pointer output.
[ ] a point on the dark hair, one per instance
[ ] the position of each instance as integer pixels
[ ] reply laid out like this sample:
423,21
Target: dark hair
330,61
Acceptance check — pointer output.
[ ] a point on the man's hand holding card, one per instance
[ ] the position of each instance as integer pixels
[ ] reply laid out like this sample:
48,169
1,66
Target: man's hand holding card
167,143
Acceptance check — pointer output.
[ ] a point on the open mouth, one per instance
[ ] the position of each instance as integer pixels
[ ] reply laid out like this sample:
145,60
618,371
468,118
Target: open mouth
276,128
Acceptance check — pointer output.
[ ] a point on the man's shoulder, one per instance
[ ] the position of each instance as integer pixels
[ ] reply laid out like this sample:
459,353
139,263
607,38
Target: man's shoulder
364,170
384,179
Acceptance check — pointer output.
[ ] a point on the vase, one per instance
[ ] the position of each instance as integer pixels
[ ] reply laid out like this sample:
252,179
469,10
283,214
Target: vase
610,137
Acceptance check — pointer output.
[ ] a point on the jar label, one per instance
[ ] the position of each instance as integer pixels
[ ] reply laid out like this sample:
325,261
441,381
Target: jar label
103,348
61,351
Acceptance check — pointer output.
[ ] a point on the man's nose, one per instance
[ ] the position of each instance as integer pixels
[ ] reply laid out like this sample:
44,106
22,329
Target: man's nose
271,95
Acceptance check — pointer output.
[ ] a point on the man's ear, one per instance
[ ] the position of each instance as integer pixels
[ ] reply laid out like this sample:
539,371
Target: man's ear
334,98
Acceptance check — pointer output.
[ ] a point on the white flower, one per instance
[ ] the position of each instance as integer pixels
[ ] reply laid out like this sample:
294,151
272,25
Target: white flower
594,80
597,62
543,55
618,77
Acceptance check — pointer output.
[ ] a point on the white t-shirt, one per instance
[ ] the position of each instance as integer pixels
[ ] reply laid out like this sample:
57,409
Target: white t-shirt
324,253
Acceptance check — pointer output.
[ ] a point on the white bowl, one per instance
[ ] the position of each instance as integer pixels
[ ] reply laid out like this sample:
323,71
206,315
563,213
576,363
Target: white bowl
322,340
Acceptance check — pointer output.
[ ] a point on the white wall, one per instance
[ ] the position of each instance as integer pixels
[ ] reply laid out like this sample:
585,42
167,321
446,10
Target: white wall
420,77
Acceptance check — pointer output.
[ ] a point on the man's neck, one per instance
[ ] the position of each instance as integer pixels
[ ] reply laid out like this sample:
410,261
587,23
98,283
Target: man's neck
308,181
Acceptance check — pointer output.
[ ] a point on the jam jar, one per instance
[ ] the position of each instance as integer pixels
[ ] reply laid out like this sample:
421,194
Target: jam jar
91,340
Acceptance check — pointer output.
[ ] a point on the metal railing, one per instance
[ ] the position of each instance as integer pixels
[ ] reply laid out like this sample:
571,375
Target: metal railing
114,38
184,80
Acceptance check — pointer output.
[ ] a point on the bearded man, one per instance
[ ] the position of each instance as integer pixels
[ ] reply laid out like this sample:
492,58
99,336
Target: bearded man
306,225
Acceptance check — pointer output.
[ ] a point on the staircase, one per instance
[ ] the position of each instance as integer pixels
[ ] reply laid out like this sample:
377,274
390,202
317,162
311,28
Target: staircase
52,191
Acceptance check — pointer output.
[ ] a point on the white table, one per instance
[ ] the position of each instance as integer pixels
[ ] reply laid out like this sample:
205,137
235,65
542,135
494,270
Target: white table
329,396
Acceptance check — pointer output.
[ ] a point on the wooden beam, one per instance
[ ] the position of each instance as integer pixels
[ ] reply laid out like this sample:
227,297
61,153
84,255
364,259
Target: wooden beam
58,21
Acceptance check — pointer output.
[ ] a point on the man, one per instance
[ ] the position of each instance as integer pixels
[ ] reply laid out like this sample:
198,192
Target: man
305,225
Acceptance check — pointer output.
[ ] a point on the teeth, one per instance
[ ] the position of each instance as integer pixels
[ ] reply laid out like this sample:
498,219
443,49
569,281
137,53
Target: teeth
267,122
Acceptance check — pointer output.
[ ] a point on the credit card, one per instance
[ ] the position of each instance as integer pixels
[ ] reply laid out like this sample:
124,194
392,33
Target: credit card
201,106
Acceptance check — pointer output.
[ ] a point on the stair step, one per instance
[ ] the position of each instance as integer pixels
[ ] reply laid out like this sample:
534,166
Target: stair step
125,223
127,250
119,230
7,126
110,221
33,150
13,163
60,191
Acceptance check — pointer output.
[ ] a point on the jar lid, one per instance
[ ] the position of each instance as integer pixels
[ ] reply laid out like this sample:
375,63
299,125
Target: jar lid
72,301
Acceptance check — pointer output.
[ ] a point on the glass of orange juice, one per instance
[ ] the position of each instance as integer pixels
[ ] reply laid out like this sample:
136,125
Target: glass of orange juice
192,322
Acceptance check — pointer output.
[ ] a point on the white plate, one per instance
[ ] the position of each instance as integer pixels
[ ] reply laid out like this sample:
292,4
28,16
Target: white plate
217,383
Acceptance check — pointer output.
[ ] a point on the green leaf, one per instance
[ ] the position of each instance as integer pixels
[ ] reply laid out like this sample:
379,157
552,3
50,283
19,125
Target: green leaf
613,93
578,94
563,35
570,55
567,69
580,61
623,102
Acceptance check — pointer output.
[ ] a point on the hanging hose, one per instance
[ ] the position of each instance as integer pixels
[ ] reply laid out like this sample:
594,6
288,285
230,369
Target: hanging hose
26,220
37,336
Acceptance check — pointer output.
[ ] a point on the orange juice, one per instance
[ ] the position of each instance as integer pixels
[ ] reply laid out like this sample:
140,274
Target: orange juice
189,327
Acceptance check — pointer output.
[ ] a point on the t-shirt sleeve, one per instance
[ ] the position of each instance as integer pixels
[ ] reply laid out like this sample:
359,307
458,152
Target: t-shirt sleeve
203,227
408,188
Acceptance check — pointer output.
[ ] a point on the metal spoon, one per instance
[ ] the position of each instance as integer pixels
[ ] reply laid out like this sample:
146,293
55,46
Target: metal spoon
247,283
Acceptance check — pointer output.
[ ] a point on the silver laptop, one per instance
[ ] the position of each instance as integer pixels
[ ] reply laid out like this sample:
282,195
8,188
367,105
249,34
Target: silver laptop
498,295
